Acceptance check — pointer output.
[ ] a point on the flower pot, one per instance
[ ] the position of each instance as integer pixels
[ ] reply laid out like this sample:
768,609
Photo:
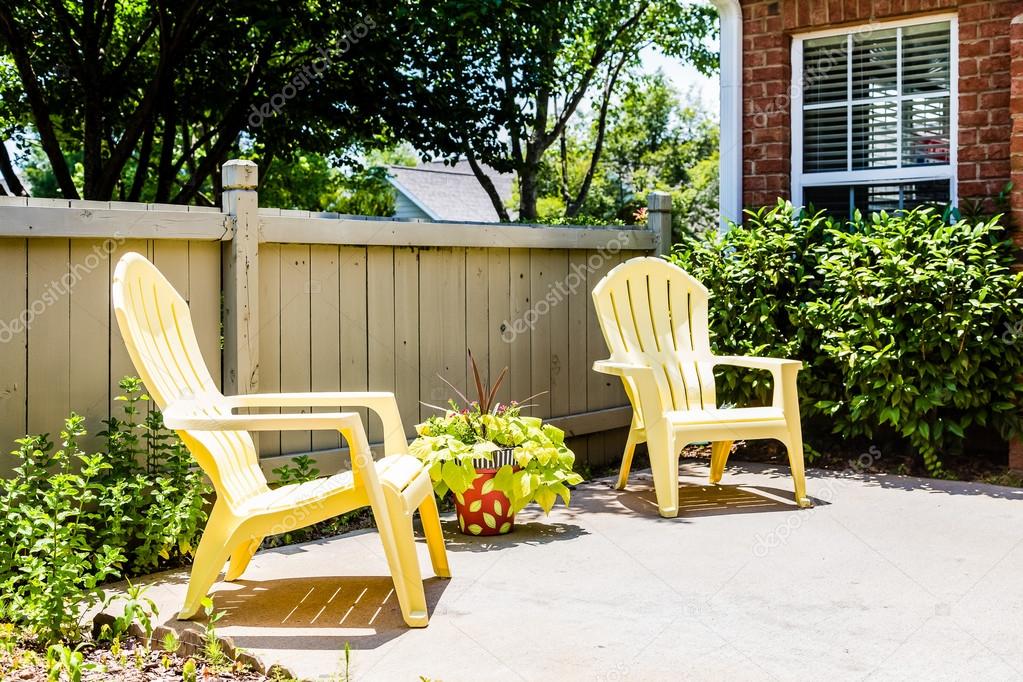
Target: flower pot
482,510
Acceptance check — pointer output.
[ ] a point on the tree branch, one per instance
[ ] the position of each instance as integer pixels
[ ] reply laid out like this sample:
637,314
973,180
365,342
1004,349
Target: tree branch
12,35
584,189
10,177
487,184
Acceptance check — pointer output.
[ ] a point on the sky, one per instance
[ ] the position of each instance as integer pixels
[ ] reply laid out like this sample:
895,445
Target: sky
686,78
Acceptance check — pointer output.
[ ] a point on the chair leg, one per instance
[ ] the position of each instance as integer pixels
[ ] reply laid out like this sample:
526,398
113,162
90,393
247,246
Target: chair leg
719,452
430,518
240,558
630,449
400,550
795,450
214,549
664,465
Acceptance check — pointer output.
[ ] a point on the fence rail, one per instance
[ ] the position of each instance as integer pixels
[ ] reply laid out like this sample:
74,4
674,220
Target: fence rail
298,301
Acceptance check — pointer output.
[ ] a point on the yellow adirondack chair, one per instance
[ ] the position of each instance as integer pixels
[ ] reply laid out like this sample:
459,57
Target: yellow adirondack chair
654,318
157,330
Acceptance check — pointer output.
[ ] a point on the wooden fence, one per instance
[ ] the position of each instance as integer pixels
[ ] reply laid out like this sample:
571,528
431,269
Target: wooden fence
293,301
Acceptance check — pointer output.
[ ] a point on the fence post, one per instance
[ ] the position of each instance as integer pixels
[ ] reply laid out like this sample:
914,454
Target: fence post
658,220
241,278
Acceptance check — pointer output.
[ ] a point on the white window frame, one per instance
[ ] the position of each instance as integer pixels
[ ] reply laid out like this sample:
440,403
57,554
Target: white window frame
870,176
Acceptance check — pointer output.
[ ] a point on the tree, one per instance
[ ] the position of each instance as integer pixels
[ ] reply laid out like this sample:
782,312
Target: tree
154,96
499,82
315,182
654,140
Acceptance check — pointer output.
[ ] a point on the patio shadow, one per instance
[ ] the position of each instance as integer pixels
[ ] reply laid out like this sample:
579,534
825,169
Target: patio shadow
528,533
892,481
315,613
696,500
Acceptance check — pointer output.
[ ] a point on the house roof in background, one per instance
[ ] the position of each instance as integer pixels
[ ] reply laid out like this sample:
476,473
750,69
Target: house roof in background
450,192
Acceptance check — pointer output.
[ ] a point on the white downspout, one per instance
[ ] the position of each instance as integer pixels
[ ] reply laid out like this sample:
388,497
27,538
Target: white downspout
731,111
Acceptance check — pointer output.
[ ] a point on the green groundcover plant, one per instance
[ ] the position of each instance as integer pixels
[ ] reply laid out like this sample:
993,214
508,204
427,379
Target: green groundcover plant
70,521
450,445
908,327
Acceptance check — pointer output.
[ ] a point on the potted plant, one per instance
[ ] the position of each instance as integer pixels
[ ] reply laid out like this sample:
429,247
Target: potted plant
494,459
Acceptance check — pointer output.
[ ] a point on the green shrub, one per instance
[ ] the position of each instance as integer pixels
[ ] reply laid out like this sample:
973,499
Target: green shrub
70,520
906,325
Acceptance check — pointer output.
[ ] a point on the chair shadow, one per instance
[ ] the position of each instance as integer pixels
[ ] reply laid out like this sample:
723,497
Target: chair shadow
700,500
892,481
322,613
529,533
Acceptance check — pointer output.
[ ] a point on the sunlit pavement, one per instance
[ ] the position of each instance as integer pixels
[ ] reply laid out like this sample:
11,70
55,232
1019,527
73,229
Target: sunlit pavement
887,577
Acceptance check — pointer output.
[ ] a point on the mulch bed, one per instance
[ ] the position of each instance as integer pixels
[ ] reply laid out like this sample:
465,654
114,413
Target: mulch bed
132,663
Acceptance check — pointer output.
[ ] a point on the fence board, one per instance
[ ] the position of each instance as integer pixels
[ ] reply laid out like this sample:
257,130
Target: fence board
541,280
354,332
477,316
204,301
325,331
561,386
380,325
499,298
520,371
270,336
13,345
295,335
89,324
49,331
406,336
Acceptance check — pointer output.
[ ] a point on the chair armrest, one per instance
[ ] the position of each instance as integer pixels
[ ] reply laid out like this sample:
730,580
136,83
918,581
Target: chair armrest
651,405
621,369
783,373
188,415
769,364
381,402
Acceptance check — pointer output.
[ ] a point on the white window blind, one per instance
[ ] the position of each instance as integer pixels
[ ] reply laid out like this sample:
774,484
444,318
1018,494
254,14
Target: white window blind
875,117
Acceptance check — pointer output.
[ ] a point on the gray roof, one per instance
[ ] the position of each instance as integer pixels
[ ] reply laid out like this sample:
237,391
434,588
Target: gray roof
450,192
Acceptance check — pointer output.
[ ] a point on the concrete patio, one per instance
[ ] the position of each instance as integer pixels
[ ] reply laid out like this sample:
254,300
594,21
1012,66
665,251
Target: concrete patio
887,577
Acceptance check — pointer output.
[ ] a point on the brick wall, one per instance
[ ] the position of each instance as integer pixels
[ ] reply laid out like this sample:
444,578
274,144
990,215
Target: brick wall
985,123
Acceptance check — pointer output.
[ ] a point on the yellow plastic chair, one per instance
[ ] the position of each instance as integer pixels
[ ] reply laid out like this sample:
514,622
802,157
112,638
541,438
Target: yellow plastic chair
157,330
654,318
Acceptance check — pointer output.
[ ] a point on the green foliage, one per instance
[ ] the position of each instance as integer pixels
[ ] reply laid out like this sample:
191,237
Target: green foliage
137,608
159,96
654,139
50,563
501,80
63,662
316,182
70,521
904,322
302,471
213,651
155,497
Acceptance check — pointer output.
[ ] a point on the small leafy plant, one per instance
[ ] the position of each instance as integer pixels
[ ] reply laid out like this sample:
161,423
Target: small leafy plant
451,444
70,521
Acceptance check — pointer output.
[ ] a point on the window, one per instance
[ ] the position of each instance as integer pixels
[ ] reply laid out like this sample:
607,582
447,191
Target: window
874,117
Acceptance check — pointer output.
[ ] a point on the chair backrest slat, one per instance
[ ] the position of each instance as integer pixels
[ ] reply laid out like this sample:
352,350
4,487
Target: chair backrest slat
157,329
653,313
